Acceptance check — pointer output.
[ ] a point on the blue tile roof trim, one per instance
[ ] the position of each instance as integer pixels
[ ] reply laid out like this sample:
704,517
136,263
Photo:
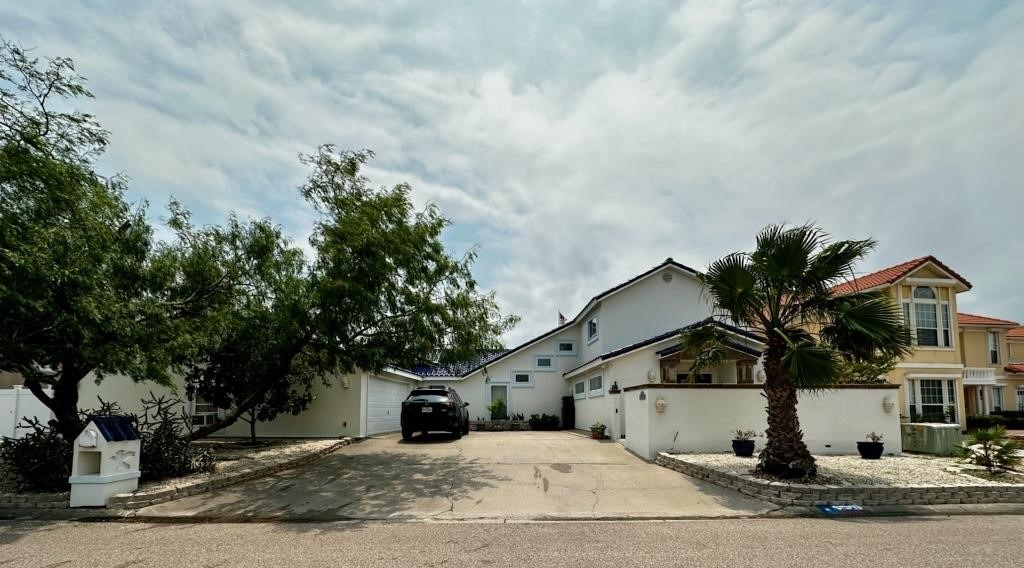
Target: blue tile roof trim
115,428
457,369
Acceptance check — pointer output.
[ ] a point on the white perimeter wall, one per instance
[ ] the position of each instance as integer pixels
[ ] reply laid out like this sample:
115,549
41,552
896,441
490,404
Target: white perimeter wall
19,403
833,421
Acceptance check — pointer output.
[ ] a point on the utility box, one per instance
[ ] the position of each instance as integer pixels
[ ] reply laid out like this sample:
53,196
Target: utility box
105,462
926,438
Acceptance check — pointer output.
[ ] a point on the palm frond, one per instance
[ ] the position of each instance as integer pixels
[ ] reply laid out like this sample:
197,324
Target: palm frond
835,262
783,254
708,344
733,287
811,366
865,325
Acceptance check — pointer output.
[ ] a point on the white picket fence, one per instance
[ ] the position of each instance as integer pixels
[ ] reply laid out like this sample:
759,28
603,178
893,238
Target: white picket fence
17,403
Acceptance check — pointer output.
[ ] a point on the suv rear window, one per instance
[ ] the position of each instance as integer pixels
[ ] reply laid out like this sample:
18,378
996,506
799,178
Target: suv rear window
428,392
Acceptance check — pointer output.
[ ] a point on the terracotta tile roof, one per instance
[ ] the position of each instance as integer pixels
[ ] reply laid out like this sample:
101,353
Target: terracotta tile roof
1015,368
891,275
971,319
1015,333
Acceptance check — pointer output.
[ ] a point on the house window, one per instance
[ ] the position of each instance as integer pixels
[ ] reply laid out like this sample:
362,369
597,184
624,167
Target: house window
544,362
592,330
579,390
522,379
203,413
596,385
567,347
928,317
993,347
701,379
1020,399
932,400
997,399
745,372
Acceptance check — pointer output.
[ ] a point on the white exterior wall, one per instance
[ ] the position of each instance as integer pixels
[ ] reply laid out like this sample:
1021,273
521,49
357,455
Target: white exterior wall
17,404
336,411
544,397
127,393
833,421
651,306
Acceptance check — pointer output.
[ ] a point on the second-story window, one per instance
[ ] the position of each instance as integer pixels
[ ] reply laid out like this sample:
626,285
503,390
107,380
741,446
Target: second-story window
928,318
993,347
592,329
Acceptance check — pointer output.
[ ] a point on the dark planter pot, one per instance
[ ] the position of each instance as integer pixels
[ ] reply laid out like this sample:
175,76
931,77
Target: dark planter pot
870,450
743,448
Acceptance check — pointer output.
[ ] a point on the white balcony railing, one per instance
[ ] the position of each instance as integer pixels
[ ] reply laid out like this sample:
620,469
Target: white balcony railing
979,376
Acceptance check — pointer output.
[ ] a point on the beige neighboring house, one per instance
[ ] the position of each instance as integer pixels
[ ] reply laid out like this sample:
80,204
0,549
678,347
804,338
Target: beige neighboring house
1013,391
931,378
985,348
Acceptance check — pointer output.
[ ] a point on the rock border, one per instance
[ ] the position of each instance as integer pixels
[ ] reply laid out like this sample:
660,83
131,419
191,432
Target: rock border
139,499
799,494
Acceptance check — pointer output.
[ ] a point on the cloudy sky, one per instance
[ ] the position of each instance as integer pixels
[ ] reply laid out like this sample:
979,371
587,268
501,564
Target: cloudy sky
579,143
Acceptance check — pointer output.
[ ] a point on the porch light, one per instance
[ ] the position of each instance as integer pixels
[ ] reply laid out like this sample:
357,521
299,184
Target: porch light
660,404
888,404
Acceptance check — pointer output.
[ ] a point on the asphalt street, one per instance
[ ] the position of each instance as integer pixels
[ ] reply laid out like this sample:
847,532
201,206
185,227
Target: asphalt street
857,542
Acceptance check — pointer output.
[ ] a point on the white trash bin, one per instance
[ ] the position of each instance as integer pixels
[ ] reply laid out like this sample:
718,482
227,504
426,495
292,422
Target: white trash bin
105,462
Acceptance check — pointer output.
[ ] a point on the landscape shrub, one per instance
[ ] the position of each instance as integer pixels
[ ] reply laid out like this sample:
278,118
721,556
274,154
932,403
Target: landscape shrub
984,421
498,410
38,461
41,459
1012,419
991,449
544,422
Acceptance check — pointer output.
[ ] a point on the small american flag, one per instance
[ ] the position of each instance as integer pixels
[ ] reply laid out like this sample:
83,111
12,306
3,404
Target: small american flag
561,319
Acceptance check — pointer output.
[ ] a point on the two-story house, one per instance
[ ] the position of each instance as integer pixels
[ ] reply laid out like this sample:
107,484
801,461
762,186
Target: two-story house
985,352
1014,370
931,378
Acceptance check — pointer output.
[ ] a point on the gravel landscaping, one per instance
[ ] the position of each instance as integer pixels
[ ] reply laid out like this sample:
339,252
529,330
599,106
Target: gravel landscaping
890,471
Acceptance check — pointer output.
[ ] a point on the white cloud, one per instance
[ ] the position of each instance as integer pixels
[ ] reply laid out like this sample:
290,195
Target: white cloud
581,147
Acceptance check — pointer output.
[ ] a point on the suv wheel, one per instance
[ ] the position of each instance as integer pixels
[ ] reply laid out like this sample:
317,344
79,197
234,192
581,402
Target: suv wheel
407,435
457,434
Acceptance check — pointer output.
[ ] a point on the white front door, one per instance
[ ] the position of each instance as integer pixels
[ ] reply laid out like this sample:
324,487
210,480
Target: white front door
384,405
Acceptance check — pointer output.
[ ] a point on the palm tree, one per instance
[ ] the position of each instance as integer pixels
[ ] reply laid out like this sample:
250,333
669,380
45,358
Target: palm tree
783,291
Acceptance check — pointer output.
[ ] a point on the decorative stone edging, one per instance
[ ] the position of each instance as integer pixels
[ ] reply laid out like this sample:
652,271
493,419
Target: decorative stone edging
34,500
139,499
783,493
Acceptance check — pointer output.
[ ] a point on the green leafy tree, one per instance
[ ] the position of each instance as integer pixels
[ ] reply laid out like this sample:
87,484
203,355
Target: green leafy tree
379,290
783,291
83,288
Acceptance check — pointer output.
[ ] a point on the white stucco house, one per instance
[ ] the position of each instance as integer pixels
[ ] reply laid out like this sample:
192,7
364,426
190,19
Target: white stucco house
620,359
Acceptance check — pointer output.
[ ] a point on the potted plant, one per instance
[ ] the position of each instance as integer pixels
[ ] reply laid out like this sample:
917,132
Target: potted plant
872,448
743,443
597,430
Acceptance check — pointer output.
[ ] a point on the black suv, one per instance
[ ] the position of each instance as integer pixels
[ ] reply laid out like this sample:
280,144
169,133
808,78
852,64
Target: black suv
434,408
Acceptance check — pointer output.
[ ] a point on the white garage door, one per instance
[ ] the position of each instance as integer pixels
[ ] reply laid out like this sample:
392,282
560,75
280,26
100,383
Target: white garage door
384,405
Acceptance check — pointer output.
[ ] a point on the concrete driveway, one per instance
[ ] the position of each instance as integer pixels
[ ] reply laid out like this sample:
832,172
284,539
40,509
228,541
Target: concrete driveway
486,475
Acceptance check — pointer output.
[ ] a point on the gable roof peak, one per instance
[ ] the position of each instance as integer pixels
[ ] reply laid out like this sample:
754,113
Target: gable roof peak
894,274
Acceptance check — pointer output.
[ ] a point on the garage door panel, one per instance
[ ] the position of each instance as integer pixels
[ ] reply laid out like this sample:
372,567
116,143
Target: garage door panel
384,405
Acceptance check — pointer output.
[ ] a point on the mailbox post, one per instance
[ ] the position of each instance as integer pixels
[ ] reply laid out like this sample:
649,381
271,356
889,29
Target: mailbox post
105,462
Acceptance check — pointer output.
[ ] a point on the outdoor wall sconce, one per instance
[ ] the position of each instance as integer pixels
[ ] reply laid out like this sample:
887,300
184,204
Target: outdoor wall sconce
660,404
888,405
643,395
345,382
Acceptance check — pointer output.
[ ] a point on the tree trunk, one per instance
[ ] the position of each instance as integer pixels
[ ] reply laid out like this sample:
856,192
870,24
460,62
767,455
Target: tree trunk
785,454
64,402
252,428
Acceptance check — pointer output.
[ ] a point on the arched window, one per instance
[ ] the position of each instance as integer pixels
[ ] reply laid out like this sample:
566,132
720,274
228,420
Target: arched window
928,317
924,293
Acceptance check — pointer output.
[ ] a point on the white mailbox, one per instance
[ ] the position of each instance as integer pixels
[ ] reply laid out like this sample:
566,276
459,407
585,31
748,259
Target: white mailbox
105,462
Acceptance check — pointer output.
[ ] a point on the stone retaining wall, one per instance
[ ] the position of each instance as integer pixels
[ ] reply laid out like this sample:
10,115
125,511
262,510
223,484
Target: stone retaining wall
143,498
798,494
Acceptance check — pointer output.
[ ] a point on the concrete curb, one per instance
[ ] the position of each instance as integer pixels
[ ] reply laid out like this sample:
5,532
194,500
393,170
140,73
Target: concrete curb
804,495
